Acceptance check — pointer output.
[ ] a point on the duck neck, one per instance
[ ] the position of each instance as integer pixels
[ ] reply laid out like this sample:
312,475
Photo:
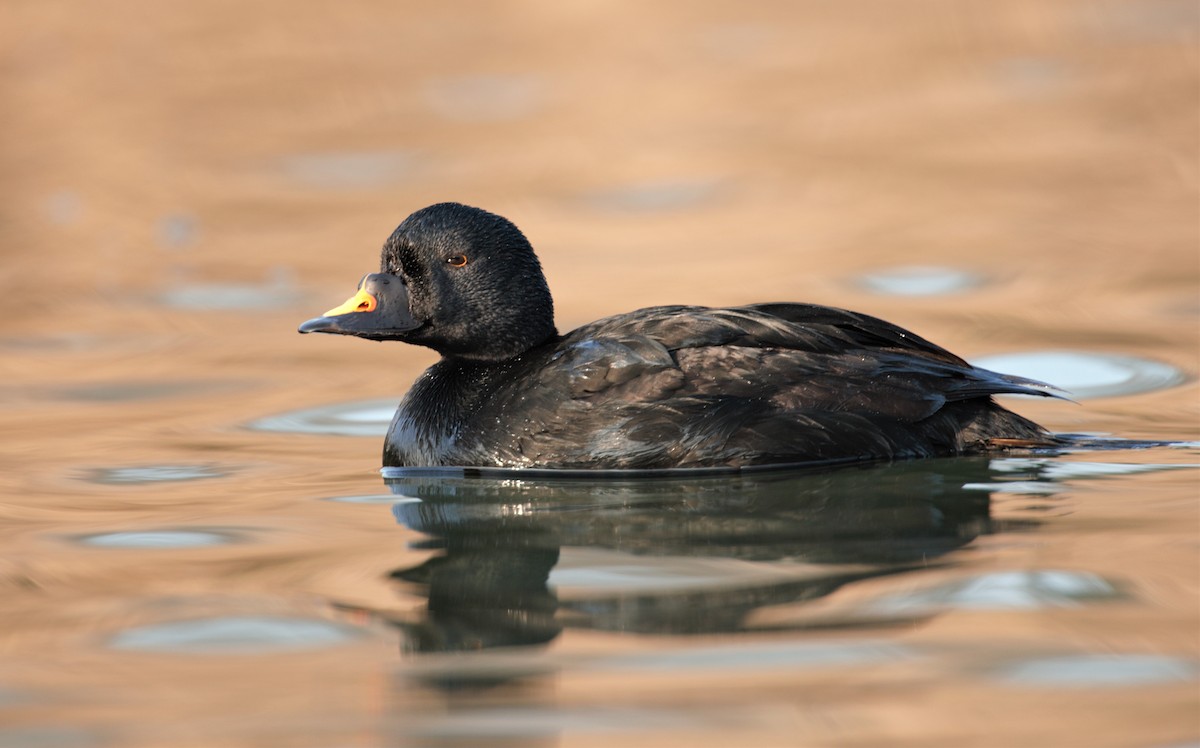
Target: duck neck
499,350
454,388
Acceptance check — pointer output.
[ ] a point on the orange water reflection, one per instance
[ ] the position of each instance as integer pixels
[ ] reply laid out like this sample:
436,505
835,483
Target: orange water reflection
182,185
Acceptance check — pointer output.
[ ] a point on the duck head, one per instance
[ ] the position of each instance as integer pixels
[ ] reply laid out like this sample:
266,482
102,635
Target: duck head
459,280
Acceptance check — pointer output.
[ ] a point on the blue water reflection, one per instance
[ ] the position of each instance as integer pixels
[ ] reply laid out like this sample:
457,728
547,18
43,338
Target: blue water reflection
246,634
361,418
920,280
1087,374
1099,671
158,539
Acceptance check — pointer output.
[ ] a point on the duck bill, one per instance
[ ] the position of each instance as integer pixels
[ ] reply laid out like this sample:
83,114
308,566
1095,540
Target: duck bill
378,311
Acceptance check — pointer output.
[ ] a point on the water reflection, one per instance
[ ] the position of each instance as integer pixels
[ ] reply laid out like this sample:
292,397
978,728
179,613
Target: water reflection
1099,671
1013,590
350,169
362,418
1045,476
159,539
650,197
244,634
153,474
1087,374
920,280
518,559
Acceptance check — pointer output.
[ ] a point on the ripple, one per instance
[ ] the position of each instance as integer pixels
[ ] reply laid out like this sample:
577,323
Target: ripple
1086,375
485,98
70,342
742,42
177,231
488,725
655,196
64,208
137,391
274,293
1058,470
1041,476
920,280
596,570
1149,20
12,697
48,736
1019,590
1022,487
234,635
361,418
59,341
1086,671
151,539
1032,75
350,169
378,498
761,656
153,474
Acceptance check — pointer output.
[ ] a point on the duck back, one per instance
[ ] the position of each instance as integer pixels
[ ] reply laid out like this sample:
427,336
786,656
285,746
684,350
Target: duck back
696,387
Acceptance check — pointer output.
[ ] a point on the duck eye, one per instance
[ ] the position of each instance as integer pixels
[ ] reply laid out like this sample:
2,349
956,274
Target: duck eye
456,260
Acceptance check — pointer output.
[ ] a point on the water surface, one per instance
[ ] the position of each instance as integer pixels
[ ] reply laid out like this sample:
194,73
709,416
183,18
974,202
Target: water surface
197,548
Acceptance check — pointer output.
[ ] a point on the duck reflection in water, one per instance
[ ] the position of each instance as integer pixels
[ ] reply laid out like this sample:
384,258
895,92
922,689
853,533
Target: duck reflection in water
498,539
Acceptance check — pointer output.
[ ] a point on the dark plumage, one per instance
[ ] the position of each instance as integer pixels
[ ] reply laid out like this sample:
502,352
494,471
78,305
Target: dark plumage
664,387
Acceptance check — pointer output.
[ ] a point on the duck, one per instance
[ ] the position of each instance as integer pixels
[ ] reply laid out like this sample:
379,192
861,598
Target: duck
659,388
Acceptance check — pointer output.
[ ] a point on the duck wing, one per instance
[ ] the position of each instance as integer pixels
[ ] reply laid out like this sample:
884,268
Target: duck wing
694,386
844,354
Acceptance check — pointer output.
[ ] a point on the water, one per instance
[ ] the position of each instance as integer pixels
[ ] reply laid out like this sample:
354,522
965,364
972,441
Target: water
231,635
449,607
197,547
919,281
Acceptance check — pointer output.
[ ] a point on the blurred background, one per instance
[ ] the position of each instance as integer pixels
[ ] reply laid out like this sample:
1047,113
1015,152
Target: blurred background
248,161
182,184
692,152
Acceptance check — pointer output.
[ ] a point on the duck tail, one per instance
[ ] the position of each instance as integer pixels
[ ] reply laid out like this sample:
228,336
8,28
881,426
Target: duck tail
996,428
